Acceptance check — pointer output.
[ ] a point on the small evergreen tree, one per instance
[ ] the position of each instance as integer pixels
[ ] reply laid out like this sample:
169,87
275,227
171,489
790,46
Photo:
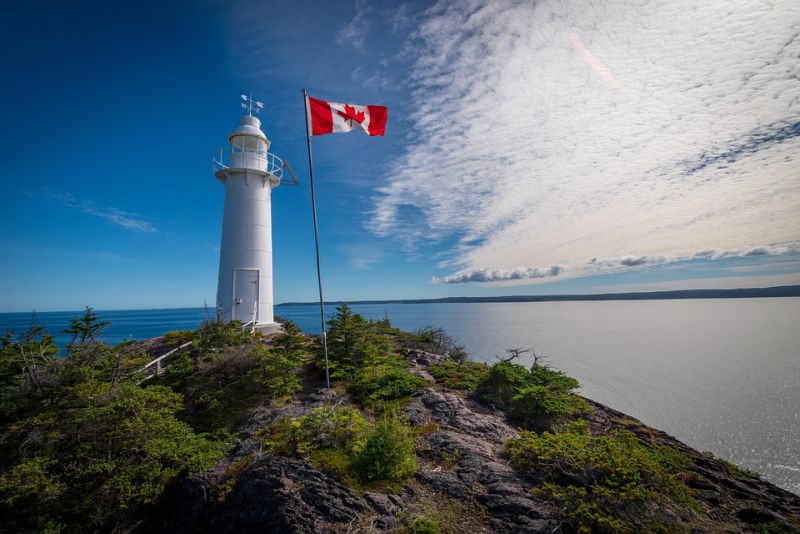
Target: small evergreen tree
86,328
348,341
388,452
25,361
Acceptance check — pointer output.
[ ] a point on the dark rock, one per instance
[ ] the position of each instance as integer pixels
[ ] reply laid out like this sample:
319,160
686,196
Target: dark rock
445,482
710,496
493,482
282,495
381,503
510,505
754,516
453,411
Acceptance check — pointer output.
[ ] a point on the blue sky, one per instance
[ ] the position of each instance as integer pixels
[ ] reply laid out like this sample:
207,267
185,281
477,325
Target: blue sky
545,149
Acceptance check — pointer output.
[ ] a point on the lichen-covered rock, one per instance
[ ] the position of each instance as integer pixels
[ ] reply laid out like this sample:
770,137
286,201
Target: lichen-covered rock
473,442
430,405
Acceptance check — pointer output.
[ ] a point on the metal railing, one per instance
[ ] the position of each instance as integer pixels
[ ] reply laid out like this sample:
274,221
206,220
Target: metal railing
155,367
222,159
274,165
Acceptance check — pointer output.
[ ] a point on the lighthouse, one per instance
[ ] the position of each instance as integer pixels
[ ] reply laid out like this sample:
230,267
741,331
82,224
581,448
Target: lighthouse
249,173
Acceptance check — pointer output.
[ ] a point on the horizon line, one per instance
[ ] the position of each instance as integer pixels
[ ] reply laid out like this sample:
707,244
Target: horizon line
671,294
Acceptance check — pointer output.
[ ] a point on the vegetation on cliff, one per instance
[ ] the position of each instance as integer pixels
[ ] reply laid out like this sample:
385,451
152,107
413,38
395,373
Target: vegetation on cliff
413,438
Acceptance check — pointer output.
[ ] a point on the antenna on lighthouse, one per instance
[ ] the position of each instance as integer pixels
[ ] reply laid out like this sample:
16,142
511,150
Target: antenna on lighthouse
251,105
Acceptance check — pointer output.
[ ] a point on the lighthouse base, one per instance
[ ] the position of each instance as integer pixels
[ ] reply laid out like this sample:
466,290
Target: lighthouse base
267,329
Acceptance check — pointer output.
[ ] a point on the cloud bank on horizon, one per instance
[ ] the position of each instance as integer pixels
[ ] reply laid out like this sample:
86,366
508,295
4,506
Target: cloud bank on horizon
559,139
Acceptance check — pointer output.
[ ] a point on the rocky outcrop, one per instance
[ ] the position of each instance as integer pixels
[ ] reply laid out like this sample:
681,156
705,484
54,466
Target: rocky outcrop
470,438
462,472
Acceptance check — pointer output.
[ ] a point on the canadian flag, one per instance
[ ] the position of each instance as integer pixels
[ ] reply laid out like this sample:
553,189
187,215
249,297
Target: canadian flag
330,117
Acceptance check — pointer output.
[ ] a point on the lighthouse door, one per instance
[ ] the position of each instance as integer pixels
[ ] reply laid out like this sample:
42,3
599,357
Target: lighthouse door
245,295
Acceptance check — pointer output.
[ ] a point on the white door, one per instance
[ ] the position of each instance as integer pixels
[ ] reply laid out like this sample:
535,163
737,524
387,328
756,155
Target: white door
245,295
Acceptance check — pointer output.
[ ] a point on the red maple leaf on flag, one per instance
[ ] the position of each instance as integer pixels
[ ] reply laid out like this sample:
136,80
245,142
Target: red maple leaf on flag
350,114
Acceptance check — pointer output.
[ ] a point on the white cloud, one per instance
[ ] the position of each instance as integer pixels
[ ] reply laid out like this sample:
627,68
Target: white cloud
355,32
500,275
600,136
129,221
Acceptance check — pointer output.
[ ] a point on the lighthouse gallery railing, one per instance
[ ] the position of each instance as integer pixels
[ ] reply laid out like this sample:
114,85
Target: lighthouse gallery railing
275,165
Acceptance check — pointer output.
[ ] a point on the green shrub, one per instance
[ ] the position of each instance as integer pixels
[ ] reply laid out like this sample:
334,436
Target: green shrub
179,337
216,335
543,407
537,398
328,438
613,483
28,364
383,379
222,391
388,453
340,427
109,452
422,525
455,375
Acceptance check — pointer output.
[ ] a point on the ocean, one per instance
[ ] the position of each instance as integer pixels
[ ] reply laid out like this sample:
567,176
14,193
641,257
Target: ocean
722,375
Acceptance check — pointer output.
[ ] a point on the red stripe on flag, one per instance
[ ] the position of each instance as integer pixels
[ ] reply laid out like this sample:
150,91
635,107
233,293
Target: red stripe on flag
377,119
321,117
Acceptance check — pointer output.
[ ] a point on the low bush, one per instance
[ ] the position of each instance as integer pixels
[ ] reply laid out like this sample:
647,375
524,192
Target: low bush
422,525
384,379
455,375
220,393
614,483
538,398
179,337
327,438
388,452
93,461
215,335
340,428
341,442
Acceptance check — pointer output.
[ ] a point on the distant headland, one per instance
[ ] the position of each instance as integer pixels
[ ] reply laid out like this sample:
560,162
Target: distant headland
755,292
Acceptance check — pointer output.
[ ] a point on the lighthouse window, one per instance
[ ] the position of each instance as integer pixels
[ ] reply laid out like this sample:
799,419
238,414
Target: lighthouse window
244,143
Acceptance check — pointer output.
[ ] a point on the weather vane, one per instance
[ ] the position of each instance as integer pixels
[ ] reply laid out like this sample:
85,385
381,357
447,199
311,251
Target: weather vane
251,105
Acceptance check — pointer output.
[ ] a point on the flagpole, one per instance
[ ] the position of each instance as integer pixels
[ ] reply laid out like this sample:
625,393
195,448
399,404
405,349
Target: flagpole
316,245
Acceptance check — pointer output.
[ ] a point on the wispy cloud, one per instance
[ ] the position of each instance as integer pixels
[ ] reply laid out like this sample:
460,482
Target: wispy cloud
355,32
613,264
402,18
681,142
363,256
375,79
129,221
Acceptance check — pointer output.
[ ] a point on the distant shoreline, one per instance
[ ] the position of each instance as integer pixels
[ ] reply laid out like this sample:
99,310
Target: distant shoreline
766,292
778,291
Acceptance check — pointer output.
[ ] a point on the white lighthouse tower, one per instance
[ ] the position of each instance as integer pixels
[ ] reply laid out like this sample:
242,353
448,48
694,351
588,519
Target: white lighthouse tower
249,173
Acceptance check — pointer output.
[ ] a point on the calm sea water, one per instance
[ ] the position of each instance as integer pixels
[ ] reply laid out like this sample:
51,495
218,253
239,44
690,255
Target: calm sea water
721,375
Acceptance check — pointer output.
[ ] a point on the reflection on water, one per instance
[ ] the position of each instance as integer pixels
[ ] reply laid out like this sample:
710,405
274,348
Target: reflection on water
722,375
